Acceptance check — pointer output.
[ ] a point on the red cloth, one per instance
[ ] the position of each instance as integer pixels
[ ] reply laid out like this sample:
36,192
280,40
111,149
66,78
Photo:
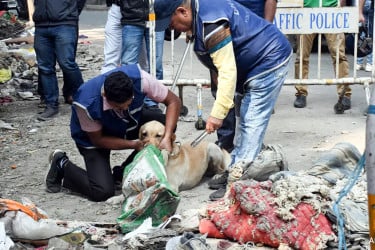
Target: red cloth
248,214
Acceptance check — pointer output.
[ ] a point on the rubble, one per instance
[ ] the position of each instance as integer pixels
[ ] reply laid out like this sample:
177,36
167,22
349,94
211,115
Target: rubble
20,59
10,25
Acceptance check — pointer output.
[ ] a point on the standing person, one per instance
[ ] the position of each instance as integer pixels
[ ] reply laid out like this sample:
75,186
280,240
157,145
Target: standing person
56,36
226,133
250,55
106,115
368,22
113,37
334,41
134,18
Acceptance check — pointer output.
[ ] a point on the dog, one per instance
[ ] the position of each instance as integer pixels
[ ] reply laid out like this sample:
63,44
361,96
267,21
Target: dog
186,165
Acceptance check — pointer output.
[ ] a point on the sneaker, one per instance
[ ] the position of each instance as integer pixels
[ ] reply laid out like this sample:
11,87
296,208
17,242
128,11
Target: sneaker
368,67
55,174
359,67
48,113
218,194
346,103
218,181
300,101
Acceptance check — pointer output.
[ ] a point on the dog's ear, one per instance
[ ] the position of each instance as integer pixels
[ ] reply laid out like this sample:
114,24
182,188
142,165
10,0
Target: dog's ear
142,133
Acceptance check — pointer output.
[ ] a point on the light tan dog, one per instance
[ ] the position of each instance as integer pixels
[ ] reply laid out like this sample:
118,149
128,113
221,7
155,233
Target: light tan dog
186,165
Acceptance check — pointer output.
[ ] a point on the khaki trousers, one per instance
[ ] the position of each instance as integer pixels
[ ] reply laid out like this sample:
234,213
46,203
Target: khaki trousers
333,40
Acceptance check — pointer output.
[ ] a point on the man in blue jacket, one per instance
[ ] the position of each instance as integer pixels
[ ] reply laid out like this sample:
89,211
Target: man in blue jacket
107,113
56,37
250,55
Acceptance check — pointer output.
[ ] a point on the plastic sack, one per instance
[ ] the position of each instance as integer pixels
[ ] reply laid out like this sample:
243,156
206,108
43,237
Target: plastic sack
147,191
26,221
5,75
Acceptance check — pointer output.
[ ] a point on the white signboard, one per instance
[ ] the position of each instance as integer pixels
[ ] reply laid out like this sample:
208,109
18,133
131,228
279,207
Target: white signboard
289,3
317,20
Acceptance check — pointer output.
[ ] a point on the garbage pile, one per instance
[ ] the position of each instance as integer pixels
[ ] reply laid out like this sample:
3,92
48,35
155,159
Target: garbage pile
9,25
290,210
19,71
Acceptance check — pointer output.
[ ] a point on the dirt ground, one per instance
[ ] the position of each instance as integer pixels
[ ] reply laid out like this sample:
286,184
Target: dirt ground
303,133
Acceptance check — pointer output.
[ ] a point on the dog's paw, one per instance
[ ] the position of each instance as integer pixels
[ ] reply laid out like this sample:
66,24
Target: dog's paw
115,200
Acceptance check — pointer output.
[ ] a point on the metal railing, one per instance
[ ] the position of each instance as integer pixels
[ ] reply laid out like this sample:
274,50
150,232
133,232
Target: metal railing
293,21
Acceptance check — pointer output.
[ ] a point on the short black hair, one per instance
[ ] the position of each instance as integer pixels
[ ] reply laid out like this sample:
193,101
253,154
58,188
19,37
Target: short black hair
118,87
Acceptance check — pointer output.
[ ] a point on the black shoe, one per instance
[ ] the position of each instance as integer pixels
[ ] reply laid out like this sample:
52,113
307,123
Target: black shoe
218,181
346,103
48,113
300,101
55,174
218,194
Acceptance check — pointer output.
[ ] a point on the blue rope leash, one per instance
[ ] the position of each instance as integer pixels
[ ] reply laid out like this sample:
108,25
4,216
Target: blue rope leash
371,109
336,209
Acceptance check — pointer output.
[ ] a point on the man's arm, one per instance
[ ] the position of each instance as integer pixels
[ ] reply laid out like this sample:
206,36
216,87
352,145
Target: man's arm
30,11
361,17
218,42
270,10
155,90
110,142
173,104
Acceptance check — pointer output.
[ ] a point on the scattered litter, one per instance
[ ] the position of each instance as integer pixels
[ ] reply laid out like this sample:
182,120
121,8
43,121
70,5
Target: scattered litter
6,125
27,95
5,242
34,130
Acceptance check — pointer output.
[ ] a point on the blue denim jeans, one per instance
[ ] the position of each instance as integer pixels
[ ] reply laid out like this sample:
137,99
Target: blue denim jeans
259,98
132,39
57,43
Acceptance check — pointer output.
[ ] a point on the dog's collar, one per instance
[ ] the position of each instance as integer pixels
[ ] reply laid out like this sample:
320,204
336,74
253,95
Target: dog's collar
175,150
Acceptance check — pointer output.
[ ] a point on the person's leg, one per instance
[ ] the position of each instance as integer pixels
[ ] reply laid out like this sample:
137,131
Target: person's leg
256,108
66,42
44,45
306,43
159,44
113,39
132,38
334,42
96,182
360,61
67,88
143,60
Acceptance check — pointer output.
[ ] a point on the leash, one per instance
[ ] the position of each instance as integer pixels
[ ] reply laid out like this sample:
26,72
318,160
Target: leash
336,209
